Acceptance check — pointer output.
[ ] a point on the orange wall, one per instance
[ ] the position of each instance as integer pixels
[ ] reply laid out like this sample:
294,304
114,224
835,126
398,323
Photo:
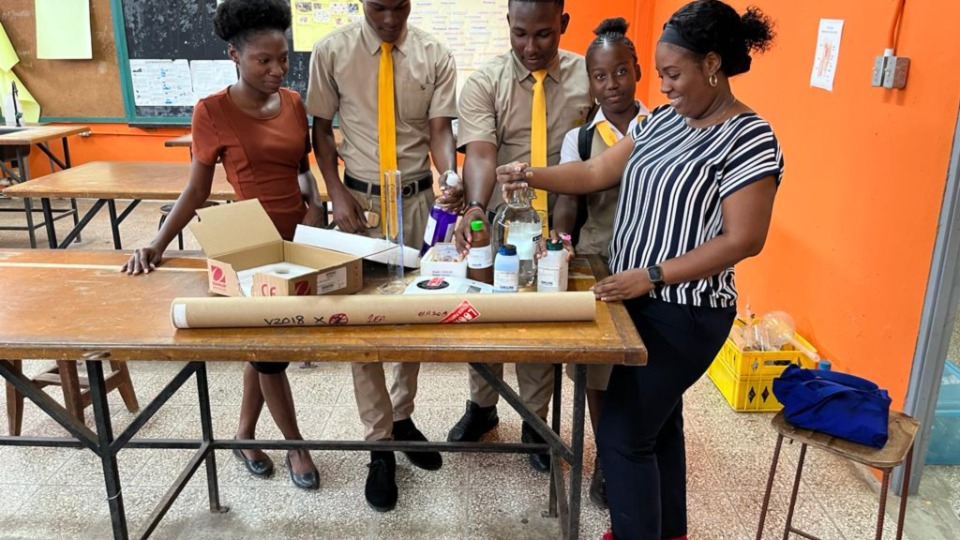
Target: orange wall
850,247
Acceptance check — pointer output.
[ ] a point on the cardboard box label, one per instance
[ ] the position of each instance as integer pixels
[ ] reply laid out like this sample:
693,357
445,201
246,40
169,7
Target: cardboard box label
332,280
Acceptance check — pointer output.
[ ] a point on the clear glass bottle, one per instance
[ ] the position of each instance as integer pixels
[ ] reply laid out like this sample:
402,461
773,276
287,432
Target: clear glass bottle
517,223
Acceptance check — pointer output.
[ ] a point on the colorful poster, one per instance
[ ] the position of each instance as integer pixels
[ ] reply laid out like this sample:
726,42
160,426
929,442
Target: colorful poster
314,19
474,30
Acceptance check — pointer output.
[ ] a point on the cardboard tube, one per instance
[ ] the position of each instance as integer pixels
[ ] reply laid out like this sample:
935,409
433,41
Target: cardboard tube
239,312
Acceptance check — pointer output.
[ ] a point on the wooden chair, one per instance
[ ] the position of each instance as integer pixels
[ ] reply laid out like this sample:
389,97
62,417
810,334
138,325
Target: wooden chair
76,390
898,450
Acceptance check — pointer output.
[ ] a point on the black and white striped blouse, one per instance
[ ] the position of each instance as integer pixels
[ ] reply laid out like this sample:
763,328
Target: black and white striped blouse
672,189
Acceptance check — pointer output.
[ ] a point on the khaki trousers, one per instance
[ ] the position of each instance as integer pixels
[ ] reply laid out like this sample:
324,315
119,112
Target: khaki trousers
379,406
535,381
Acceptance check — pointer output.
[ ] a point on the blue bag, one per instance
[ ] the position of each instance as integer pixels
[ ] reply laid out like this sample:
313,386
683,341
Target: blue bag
838,404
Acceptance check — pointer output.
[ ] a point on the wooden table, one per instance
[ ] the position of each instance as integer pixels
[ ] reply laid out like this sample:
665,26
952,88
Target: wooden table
15,144
108,181
43,320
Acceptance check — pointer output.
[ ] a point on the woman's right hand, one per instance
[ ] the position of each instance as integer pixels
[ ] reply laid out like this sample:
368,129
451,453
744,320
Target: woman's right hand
143,261
347,211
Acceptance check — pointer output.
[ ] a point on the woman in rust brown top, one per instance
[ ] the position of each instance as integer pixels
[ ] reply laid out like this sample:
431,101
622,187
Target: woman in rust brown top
258,131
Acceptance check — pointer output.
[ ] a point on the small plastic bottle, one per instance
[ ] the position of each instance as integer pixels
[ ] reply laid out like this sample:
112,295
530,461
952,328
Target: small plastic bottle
441,223
824,364
480,258
552,269
506,270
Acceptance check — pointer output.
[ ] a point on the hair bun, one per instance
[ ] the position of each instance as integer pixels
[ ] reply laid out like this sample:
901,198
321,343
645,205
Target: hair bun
617,25
757,30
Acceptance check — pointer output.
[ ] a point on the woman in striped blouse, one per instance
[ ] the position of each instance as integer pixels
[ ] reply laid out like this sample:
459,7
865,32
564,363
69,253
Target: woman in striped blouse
697,181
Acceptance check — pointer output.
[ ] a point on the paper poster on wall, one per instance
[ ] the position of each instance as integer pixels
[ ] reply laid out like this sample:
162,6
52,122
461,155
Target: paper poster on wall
63,29
158,83
474,31
314,19
828,50
211,76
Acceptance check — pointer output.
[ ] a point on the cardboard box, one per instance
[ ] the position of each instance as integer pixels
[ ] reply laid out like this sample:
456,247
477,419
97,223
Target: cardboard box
443,260
240,236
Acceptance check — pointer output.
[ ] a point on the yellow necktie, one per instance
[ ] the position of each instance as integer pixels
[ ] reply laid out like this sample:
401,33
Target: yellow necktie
538,144
386,125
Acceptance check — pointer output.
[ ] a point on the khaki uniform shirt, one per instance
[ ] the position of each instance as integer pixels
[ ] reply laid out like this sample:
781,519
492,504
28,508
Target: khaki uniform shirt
497,100
344,72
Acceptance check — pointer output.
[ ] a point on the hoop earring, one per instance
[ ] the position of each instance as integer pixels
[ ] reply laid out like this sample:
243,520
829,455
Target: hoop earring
713,80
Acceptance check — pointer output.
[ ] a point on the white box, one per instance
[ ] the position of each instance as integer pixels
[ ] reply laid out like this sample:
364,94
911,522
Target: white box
430,266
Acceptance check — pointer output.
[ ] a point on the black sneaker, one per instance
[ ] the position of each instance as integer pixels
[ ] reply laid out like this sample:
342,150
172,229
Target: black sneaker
598,487
405,430
381,488
474,423
540,462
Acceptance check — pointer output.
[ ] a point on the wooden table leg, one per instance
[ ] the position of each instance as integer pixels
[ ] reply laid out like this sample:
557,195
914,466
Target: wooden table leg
125,385
72,392
15,403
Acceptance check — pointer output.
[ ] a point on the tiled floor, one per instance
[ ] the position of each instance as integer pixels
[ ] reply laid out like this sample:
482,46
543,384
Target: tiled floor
58,493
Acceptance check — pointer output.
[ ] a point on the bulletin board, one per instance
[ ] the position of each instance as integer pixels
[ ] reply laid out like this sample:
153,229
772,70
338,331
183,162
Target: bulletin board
68,89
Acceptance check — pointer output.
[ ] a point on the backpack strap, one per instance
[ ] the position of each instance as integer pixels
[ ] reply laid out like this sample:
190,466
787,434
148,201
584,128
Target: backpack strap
585,142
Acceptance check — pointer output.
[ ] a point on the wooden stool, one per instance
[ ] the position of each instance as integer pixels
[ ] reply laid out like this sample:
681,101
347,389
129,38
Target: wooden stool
899,449
76,390
165,211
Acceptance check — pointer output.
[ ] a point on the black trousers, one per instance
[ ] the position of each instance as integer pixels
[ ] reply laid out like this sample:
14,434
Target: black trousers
640,437
270,368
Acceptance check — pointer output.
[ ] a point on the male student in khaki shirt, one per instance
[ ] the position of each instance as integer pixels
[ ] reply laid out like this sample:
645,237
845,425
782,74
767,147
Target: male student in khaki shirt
344,74
495,124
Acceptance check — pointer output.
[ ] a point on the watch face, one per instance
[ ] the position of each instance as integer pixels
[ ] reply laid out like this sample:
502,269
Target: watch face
655,274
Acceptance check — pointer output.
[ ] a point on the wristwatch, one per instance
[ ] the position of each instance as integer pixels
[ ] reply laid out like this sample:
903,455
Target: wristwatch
471,205
655,274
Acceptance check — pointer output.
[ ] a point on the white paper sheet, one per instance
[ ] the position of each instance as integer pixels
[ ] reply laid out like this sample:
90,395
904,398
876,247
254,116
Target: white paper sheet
828,51
211,76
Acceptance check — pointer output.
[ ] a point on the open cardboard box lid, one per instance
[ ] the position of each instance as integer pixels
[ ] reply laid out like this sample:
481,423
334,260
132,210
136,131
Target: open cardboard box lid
372,249
229,228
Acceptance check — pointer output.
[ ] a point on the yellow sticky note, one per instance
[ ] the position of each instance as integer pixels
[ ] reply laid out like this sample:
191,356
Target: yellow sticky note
8,55
63,29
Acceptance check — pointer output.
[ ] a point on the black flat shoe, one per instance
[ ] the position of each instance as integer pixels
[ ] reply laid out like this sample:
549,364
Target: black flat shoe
539,462
405,430
309,481
598,487
262,468
381,488
474,423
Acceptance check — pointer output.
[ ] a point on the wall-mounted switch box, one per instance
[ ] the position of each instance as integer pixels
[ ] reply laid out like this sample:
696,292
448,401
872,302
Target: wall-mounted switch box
895,71
878,65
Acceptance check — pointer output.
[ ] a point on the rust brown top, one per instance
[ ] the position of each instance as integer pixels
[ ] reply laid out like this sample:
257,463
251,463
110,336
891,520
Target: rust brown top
34,134
186,140
902,432
60,304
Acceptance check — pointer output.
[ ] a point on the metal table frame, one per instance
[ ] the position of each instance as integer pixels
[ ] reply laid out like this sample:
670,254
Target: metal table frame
562,503
47,209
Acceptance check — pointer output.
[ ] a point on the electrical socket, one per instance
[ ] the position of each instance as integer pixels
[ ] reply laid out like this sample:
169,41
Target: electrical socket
895,72
878,66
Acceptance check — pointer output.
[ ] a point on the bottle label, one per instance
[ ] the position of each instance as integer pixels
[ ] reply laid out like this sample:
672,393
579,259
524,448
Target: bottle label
506,281
548,278
430,229
480,257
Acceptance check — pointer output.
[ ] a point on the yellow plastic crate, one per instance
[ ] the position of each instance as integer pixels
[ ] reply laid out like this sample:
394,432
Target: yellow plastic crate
762,363
746,378
747,394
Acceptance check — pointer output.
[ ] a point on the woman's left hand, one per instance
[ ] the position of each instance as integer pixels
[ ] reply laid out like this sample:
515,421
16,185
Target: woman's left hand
623,286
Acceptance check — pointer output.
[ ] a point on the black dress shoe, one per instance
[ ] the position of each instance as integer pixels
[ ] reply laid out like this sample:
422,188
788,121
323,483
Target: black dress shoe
381,488
310,480
257,467
474,423
598,487
540,462
405,430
